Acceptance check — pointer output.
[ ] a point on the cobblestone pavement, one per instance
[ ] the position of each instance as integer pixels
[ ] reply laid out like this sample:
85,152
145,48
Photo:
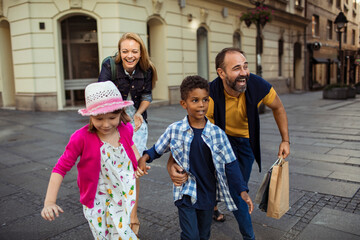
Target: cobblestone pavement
324,175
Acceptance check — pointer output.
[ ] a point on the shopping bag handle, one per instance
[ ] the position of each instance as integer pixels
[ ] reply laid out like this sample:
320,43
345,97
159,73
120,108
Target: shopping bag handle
278,162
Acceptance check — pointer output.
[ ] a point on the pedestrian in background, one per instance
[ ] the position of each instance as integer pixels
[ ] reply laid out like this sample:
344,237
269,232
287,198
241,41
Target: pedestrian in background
108,158
135,77
203,151
235,96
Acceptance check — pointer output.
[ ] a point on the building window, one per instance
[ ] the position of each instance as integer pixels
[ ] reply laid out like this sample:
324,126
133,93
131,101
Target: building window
354,4
203,52
315,25
338,3
237,40
353,37
330,1
281,53
329,29
297,2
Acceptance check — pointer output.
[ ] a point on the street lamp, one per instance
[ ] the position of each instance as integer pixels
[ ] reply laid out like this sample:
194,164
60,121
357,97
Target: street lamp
340,22
258,3
259,45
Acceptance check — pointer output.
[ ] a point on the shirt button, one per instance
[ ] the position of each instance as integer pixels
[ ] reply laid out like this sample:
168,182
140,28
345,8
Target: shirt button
132,86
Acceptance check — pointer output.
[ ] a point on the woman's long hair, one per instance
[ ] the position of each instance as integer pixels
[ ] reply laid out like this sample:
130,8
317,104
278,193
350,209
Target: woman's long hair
145,62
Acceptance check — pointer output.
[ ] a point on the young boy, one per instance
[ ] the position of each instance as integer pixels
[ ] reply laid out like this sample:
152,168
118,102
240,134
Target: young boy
204,152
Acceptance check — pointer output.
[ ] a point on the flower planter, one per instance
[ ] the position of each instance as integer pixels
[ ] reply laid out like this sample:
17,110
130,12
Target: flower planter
248,22
263,21
351,92
357,89
335,93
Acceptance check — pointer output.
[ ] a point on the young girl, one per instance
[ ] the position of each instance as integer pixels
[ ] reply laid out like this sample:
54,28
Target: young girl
108,158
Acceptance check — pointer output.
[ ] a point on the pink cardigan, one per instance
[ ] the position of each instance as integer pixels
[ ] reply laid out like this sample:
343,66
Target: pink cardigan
86,145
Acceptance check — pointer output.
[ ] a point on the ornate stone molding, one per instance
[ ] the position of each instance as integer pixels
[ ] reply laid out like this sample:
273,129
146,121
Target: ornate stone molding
203,14
75,3
157,5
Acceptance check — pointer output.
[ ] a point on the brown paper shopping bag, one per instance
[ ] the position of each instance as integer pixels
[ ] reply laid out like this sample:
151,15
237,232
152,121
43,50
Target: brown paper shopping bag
278,202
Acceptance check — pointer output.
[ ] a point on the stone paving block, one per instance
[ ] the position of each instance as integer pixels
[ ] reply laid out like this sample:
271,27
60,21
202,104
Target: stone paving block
332,167
6,190
313,231
81,232
333,144
14,173
346,176
323,186
353,160
285,223
10,159
345,152
162,192
309,171
319,157
311,149
15,208
338,220
264,232
37,151
349,145
33,227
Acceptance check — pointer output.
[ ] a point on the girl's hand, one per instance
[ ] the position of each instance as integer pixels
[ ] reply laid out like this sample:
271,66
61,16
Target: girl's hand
139,173
51,210
142,168
138,120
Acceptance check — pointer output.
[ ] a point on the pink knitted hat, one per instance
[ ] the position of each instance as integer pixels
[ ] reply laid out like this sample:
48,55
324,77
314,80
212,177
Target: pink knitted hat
102,98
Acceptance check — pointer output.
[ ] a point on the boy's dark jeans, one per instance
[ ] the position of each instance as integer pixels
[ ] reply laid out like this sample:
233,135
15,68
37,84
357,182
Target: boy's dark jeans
195,224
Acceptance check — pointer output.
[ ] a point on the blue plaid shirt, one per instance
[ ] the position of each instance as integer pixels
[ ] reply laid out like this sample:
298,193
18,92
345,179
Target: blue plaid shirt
177,138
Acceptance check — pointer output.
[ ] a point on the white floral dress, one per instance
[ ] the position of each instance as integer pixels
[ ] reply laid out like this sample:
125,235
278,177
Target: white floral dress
141,135
115,196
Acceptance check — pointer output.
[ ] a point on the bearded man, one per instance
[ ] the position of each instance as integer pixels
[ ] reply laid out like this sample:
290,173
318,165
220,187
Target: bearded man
235,96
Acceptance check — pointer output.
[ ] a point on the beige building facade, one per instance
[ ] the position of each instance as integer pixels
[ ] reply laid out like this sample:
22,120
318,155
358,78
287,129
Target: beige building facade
324,59
51,49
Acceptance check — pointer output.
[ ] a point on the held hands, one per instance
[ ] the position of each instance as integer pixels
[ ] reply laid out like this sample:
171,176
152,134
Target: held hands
284,149
138,120
244,195
142,169
51,210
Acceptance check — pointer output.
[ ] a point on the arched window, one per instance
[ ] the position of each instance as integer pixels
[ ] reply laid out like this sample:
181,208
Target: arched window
237,40
202,54
280,55
155,44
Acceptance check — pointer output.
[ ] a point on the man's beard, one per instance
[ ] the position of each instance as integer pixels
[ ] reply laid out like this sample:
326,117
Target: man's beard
234,86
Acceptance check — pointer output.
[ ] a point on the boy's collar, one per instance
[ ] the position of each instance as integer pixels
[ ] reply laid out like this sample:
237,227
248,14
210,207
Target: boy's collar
186,124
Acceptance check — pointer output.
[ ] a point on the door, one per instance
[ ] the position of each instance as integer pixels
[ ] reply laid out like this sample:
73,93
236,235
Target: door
80,56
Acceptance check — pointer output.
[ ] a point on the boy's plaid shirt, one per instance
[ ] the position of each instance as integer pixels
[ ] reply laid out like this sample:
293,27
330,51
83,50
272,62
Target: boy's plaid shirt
178,137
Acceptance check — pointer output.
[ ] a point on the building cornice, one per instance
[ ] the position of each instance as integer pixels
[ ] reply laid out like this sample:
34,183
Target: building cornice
283,16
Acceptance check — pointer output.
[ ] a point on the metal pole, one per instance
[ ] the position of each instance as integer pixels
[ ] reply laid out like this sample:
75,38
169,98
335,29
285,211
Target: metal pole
258,52
340,59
